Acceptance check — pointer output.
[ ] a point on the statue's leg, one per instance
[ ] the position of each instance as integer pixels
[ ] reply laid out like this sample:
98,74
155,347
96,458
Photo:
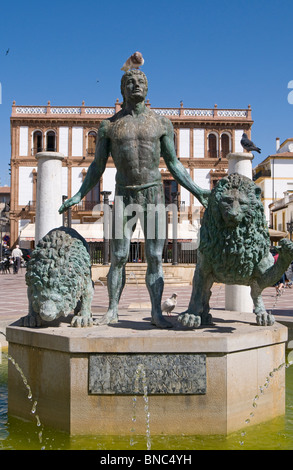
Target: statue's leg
155,280
83,314
198,309
116,278
206,317
263,318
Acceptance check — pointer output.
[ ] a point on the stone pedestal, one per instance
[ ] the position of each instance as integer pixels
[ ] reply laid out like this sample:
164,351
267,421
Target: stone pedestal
241,163
49,193
198,381
238,297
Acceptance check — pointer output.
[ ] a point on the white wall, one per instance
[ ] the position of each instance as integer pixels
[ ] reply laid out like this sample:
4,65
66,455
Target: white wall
238,136
25,185
184,143
277,185
65,181
202,178
77,141
198,143
108,180
63,140
23,141
109,176
185,194
283,168
76,180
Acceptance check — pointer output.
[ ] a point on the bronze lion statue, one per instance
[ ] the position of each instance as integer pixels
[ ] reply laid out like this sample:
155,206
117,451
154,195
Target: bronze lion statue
59,280
235,249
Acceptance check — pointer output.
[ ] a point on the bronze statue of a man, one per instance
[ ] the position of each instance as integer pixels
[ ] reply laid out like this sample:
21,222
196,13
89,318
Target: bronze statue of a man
136,137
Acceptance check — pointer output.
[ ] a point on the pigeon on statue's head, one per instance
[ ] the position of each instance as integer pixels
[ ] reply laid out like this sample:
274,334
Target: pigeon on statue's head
248,144
169,304
133,62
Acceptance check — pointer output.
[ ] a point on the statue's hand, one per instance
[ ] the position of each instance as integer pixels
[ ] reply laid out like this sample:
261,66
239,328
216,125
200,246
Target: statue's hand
203,197
70,202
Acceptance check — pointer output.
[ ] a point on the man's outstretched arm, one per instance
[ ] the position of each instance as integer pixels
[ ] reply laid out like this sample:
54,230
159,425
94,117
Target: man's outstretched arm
177,169
95,171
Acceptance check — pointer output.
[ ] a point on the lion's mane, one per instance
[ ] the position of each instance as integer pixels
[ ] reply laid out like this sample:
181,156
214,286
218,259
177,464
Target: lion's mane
234,252
60,263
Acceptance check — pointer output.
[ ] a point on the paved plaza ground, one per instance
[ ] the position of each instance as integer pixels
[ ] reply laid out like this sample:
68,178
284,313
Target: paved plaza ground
14,302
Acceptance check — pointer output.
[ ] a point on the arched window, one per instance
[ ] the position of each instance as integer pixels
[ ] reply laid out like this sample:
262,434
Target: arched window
92,138
212,146
37,142
225,145
51,141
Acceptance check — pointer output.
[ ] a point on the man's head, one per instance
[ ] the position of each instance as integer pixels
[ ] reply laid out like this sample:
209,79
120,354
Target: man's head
134,86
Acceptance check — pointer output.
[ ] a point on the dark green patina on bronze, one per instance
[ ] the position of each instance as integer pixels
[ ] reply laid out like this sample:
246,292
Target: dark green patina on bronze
235,249
136,137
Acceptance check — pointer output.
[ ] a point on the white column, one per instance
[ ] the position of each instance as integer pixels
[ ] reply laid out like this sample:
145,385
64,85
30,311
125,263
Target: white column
241,163
237,297
49,193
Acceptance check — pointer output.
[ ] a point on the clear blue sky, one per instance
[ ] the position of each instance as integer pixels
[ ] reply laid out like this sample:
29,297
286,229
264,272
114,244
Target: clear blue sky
229,52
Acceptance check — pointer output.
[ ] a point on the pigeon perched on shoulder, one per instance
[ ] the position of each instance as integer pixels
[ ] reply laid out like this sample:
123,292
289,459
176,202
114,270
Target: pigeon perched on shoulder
133,62
248,145
169,304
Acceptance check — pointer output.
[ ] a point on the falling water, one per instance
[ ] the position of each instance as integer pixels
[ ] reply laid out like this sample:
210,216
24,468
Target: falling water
29,396
29,393
140,373
265,386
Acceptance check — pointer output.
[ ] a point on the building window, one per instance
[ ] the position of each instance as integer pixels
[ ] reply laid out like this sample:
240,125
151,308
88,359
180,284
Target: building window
92,138
212,146
93,197
170,186
225,145
37,142
51,141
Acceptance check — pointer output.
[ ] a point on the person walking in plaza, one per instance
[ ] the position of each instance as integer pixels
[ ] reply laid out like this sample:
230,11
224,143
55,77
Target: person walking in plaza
16,256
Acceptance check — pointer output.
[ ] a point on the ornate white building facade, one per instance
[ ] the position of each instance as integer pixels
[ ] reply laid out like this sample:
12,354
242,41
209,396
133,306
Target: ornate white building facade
275,177
203,138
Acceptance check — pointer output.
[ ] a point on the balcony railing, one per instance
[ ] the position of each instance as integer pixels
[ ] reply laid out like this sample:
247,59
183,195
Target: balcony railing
82,206
85,206
88,111
90,205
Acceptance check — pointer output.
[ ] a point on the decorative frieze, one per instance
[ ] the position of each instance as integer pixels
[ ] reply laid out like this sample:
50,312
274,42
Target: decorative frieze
31,110
167,111
69,110
198,112
100,111
166,374
232,113
181,112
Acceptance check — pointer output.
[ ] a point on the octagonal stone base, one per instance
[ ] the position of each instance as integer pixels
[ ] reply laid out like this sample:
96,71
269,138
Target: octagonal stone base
199,381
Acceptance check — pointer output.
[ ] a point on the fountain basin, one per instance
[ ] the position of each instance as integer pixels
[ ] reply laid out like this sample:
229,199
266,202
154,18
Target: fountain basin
199,381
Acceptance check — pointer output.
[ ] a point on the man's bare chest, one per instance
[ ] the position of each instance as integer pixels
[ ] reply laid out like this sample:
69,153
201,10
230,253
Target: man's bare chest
135,130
